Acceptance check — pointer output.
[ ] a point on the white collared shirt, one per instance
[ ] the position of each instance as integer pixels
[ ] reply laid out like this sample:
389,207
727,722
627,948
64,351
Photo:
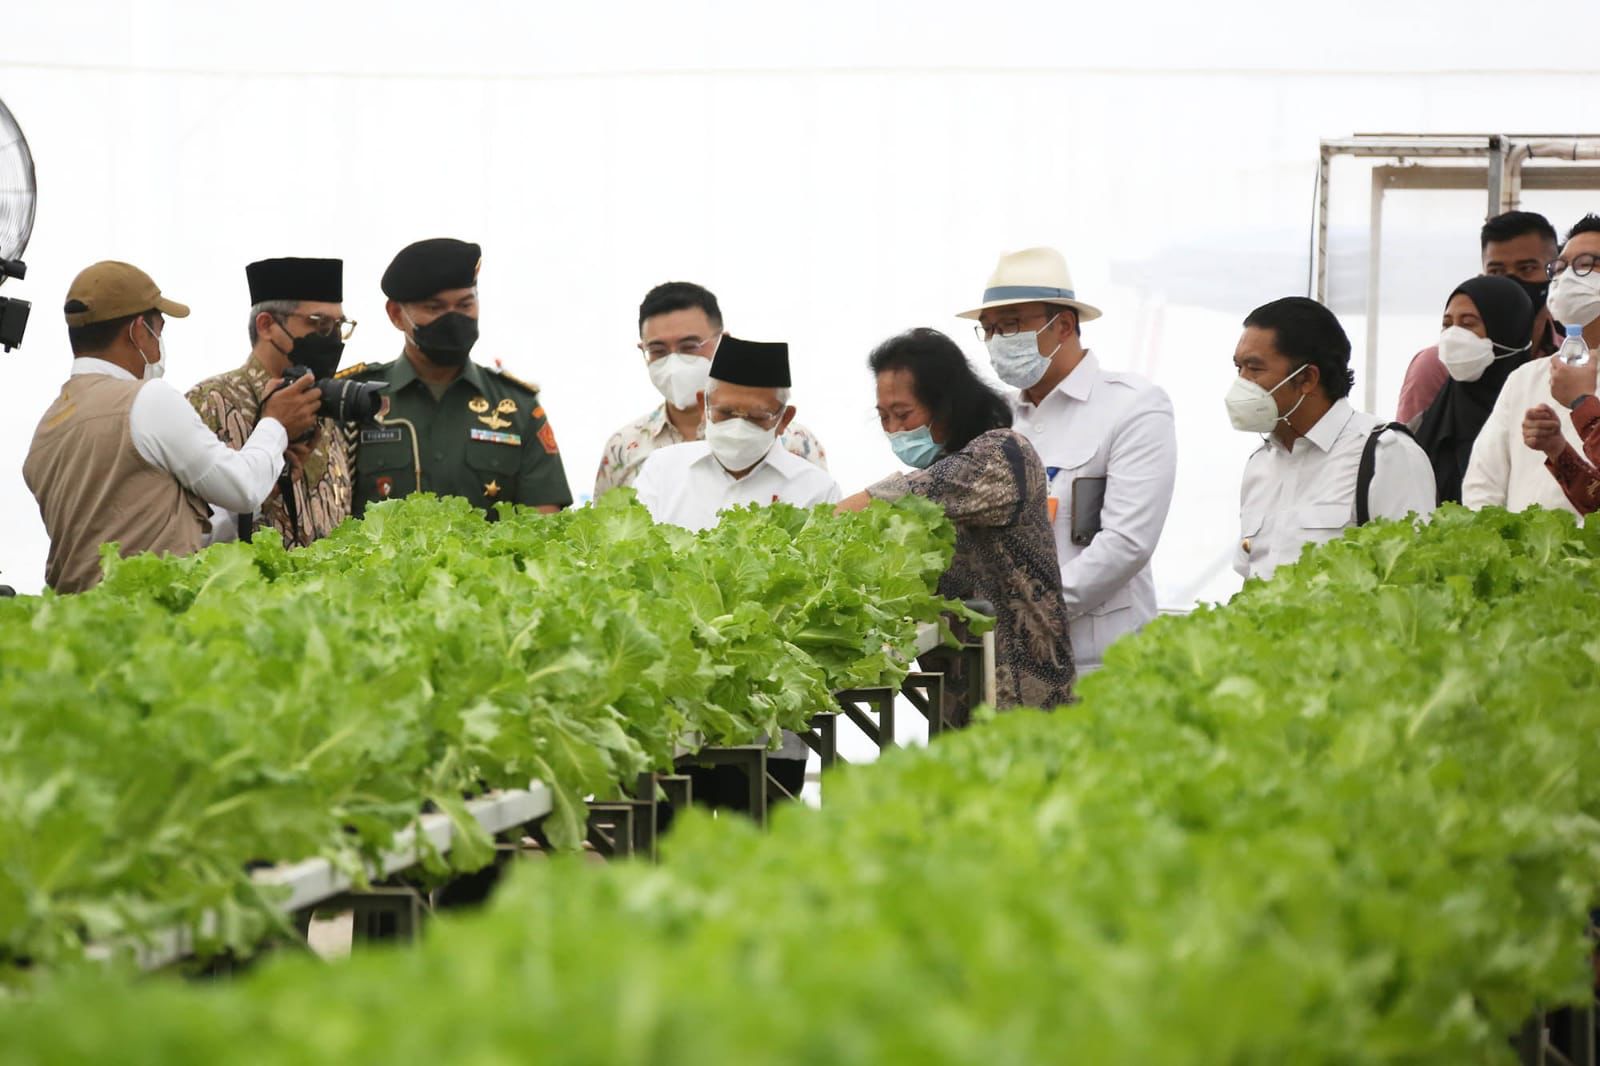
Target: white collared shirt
1503,471
685,485
1101,423
1291,498
169,435
631,445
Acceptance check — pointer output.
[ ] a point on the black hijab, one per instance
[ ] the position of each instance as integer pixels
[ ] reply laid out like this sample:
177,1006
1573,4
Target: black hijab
1451,424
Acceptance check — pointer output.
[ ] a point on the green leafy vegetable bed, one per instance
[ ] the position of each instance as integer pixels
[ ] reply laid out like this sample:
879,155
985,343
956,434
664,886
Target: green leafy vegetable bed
1348,818
189,717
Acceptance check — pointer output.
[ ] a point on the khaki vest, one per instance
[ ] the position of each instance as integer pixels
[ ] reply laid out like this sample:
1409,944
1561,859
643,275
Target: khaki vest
94,487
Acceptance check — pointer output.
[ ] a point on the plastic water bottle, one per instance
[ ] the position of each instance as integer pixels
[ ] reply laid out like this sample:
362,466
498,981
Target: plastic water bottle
1573,351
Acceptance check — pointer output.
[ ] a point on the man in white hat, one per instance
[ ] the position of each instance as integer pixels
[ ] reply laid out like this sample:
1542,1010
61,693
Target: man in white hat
1106,439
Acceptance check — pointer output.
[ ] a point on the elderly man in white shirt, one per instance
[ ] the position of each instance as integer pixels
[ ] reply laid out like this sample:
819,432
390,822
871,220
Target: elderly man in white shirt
1305,484
1106,439
738,461
1503,472
122,456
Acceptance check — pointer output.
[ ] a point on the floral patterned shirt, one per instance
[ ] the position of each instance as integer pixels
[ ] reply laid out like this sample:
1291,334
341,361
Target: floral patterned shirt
631,445
994,490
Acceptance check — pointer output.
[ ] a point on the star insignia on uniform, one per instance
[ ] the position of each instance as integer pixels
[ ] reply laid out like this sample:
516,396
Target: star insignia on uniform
492,489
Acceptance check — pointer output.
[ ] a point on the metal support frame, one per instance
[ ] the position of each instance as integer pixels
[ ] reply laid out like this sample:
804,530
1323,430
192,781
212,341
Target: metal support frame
1503,175
382,913
823,738
924,690
752,758
613,828
859,704
1535,1045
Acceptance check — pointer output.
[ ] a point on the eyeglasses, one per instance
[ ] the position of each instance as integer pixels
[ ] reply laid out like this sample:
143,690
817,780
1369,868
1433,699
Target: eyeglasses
327,325
1010,327
763,419
658,350
1581,265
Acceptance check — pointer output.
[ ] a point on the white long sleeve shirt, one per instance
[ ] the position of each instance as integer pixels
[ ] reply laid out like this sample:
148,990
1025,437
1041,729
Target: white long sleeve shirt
685,485
1503,471
1100,423
169,435
1307,495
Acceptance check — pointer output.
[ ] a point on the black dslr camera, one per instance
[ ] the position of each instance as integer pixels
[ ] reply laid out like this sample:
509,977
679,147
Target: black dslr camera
344,401
13,313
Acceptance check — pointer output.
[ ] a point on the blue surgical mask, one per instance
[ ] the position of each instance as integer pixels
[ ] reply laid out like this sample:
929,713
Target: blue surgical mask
916,447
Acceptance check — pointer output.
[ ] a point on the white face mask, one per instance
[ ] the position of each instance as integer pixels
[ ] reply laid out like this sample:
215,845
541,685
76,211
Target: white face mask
1252,409
1016,359
1575,301
738,443
154,370
680,378
1466,355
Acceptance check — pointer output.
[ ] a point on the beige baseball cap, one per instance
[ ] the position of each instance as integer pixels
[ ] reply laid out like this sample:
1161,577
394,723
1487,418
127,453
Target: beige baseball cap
109,290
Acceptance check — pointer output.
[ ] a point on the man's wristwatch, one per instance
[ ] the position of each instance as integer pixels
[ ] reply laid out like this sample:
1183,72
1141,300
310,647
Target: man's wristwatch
1576,400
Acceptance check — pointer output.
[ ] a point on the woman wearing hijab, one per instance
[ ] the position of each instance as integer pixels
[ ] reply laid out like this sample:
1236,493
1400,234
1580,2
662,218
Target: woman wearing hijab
1488,323
956,431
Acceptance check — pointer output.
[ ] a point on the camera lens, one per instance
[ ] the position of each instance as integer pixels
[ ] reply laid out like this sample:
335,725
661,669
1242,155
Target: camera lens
350,401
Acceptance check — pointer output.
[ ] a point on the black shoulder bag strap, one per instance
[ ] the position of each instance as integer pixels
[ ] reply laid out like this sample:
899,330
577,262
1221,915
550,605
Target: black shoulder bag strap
1369,467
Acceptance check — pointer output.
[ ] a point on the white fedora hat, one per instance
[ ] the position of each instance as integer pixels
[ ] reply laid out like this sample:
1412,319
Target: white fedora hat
1033,275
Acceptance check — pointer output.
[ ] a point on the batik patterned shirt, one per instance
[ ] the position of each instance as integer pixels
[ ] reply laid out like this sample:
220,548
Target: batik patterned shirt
994,490
1579,479
230,404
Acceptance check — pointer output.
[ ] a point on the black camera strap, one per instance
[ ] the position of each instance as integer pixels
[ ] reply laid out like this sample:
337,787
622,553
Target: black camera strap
290,506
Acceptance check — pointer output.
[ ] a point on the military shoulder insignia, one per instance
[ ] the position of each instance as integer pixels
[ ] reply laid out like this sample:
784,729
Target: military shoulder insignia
518,382
352,371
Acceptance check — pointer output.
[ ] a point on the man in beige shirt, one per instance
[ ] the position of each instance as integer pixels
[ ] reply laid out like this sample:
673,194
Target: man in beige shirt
120,456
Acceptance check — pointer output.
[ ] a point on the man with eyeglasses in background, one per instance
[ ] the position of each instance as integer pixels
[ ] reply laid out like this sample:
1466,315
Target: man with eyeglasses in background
1515,245
1107,440
680,326
296,320
1505,471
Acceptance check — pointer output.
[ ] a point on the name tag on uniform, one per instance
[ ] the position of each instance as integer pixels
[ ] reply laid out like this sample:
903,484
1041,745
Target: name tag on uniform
513,439
380,436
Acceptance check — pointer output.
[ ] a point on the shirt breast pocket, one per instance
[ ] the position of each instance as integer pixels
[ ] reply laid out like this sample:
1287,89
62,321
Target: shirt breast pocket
1320,523
385,469
1063,466
1251,543
495,464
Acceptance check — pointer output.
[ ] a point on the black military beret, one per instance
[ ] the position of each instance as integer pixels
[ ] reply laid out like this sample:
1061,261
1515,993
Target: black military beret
431,266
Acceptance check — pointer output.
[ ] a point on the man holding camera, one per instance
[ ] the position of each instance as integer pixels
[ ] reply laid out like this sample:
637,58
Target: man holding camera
455,427
120,457
296,320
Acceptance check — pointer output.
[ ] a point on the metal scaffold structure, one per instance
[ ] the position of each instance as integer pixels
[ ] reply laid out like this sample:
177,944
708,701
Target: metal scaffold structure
1502,165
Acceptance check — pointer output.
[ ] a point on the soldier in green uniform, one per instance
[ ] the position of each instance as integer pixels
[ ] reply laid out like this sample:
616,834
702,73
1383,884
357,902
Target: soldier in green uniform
455,427
296,319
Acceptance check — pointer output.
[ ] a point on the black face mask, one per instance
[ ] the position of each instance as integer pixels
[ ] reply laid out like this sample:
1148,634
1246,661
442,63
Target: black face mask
448,339
1537,292
317,353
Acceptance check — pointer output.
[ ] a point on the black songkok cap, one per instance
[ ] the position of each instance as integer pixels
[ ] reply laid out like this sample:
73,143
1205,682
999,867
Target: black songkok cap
754,363
321,280
431,266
